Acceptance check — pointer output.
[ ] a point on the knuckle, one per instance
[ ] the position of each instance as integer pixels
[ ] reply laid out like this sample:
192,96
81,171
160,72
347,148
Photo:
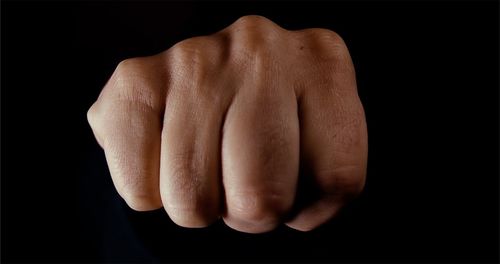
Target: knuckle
253,37
325,35
134,80
194,60
188,51
252,21
95,120
139,200
128,65
195,50
326,42
354,186
127,69
348,181
91,116
193,213
259,209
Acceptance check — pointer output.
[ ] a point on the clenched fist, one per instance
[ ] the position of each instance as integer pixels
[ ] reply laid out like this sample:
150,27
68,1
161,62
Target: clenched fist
218,126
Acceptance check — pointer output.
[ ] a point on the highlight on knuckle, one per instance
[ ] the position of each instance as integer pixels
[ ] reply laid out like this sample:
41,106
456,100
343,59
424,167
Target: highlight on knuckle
251,21
327,36
194,61
326,42
193,51
253,37
126,70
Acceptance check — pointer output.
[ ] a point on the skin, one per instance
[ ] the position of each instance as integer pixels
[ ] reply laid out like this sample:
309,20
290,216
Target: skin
220,126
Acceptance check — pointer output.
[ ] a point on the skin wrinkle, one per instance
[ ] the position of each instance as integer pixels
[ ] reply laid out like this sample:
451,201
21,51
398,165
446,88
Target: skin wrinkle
276,139
133,121
345,117
251,206
131,79
132,183
135,95
199,82
126,183
190,160
187,180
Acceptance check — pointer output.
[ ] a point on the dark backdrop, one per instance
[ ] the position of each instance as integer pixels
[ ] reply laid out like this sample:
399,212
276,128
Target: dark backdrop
427,75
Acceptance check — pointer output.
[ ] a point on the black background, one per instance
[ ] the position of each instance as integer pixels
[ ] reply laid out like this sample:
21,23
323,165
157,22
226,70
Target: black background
427,76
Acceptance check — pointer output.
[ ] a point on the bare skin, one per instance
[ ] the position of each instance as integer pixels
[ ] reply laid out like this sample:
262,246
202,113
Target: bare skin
217,126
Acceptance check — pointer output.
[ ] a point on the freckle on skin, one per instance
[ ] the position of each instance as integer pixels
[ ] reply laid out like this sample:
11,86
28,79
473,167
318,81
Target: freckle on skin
301,47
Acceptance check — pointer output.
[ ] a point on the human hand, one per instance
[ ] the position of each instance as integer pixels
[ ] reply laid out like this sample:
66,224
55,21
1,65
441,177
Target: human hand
218,126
